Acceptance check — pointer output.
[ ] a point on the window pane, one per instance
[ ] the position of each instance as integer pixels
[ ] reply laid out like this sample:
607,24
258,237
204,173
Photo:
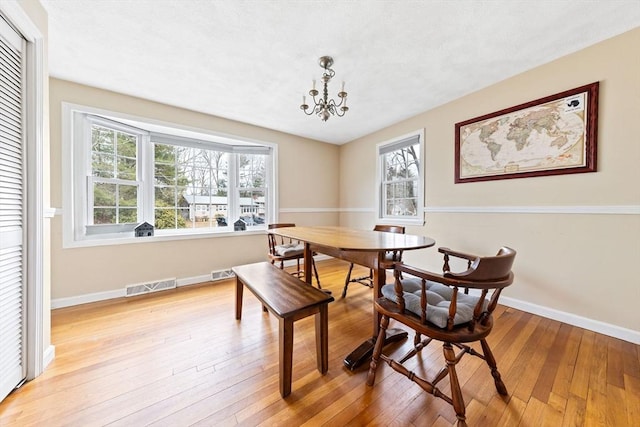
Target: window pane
102,139
127,215
252,170
165,173
413,170
194,185
169,218
114,154
104,194
126,168
165,196
104,216
128,195
127,145
252,206
102,165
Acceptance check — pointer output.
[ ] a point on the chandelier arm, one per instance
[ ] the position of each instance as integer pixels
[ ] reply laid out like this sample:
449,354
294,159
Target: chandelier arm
333,102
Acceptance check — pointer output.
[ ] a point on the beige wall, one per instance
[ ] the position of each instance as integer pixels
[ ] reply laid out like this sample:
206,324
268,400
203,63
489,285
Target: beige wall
580,264
307,195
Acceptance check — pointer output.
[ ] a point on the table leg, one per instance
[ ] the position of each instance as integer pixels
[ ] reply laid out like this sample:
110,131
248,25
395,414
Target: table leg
363,353
239,289
322,339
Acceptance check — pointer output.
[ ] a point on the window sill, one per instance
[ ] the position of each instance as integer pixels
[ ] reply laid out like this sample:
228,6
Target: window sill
111,240
401,221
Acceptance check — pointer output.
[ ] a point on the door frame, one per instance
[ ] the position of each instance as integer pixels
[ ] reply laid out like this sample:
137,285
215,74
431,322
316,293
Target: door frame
37,309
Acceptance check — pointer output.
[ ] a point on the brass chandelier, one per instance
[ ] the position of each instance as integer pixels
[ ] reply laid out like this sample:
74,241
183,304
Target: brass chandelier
323,106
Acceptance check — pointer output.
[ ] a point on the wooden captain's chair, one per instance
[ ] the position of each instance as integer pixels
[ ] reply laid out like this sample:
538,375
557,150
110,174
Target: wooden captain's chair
391,258
283,249
434,307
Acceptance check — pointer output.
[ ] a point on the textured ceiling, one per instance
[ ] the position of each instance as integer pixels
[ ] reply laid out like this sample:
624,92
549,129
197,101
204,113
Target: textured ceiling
252,61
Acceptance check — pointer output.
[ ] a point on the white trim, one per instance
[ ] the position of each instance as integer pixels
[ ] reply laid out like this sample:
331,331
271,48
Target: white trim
49,212
550,313
600,210
162,238
193,280
86,298
48,356
34,141
309,210
573,319
117,293
358,210
18,17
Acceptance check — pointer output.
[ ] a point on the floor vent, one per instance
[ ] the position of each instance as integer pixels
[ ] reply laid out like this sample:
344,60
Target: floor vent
145,288
221,274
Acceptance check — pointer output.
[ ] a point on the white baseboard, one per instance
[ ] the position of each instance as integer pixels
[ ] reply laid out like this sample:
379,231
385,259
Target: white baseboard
48,356
86,298
575,320
550,313
116,293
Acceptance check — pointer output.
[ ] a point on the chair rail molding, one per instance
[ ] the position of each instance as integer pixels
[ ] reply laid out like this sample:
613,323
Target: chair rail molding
598,210
308,210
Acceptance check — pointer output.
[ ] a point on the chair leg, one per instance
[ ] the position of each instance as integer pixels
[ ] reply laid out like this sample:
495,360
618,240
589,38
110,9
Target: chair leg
456,392
491,361
347,281
377,351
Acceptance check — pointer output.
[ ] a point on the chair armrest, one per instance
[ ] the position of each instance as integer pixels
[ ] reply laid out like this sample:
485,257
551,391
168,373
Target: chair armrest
420,273
450,279
457,254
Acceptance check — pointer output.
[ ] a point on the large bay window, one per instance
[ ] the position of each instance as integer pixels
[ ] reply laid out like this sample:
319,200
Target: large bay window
124,172
400,180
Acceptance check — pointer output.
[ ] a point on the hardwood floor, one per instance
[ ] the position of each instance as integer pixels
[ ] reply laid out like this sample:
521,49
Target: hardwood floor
179,358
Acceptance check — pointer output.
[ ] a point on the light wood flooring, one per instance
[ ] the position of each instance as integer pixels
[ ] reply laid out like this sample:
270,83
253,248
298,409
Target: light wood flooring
179,358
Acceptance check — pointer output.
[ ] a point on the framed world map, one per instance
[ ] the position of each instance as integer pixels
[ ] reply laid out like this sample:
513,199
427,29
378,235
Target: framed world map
549,136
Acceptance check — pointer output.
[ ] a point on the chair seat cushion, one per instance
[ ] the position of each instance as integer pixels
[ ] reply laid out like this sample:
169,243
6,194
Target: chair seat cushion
438,301
290,249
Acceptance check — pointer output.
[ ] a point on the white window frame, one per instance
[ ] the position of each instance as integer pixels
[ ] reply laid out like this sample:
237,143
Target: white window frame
381,149
76,171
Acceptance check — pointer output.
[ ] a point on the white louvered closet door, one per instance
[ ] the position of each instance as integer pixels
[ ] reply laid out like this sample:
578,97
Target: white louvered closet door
12,297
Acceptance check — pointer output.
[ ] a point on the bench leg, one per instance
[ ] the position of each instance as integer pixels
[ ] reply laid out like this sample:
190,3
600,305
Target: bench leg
239,288
322,339
286,355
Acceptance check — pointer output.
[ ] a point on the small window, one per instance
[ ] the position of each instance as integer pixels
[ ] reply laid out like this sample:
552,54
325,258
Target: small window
114,177
400,180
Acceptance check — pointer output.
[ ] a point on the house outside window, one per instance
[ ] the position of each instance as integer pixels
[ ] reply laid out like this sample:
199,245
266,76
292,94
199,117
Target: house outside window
124,172
400,170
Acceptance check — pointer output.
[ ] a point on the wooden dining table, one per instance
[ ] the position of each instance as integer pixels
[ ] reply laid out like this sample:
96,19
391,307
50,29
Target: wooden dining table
362,247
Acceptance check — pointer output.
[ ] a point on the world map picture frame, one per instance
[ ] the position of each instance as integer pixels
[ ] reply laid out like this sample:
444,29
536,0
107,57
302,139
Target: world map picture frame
553,135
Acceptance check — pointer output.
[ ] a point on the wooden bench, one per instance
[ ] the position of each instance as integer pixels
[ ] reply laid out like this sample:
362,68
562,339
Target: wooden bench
289,299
